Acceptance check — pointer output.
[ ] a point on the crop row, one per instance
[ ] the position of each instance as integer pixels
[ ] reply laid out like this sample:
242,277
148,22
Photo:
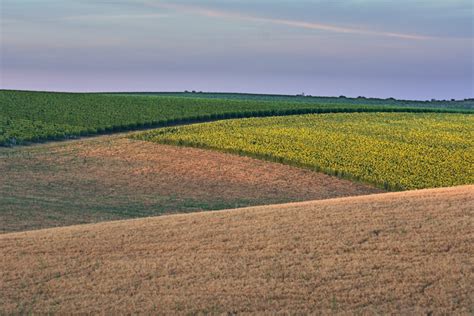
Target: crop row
395,151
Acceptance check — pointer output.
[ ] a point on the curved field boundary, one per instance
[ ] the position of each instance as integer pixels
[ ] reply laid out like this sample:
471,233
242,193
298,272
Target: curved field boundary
29,117
142,126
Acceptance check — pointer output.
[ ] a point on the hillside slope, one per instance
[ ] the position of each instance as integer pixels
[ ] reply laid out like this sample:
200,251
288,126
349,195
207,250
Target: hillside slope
395,252
110,177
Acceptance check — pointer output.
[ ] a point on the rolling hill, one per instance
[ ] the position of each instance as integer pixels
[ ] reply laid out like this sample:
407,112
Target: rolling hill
405,252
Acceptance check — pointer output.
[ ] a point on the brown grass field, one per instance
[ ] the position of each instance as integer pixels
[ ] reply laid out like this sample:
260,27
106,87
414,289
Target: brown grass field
112,177
404,253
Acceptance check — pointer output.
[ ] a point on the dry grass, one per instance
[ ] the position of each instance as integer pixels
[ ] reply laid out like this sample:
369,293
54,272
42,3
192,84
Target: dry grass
111,177
408,252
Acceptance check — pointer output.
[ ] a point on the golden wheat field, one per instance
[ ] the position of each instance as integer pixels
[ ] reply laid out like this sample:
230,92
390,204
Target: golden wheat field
401,253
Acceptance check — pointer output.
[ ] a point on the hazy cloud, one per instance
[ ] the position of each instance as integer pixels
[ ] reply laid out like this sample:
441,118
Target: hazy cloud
106,17
291,23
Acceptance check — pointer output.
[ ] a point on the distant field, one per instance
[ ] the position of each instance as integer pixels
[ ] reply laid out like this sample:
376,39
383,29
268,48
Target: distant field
40,116
112,177
458,104
396,151
406,253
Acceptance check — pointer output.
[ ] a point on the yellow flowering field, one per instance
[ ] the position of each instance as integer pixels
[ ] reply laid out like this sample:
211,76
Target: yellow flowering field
396,151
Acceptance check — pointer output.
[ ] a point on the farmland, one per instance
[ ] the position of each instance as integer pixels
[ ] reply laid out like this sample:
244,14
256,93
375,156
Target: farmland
111,177
396,151
342,244
27,117
395,253
434,104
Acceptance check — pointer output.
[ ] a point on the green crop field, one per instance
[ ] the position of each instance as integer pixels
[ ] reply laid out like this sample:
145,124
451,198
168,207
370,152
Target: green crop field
450,104
39,116
395,151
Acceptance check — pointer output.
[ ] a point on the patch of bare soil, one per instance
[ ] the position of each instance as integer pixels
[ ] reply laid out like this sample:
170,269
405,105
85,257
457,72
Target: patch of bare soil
409,252
112,177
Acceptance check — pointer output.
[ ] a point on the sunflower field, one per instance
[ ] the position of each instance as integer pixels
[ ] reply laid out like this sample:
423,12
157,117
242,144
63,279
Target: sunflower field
395,151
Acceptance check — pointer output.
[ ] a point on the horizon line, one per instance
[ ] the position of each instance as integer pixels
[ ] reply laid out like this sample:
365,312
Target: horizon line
240,93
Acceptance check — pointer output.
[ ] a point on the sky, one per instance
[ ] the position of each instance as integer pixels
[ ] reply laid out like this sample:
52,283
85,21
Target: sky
408,49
